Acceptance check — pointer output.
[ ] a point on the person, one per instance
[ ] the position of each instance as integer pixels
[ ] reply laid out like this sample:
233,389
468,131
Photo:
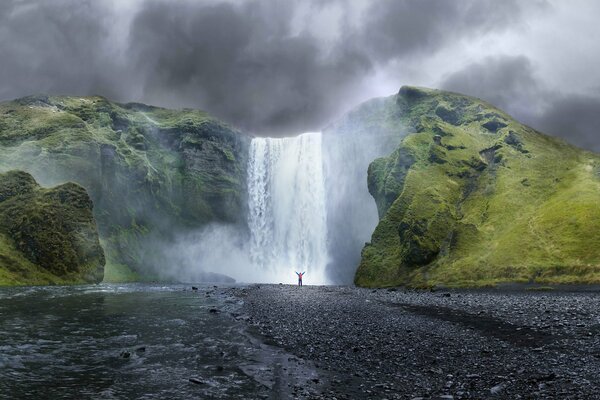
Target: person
300,274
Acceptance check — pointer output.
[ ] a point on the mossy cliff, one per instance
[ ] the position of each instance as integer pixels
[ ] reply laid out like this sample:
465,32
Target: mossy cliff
150,171
47,235
471,197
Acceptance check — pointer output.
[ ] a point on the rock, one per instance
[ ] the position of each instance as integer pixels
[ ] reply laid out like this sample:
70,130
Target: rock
494,125
499,388
549,377
447,115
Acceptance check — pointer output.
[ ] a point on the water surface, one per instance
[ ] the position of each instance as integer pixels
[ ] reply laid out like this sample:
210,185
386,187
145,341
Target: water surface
126,341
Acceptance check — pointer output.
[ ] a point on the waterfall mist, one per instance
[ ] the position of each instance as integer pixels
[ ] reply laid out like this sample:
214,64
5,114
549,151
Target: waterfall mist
372,130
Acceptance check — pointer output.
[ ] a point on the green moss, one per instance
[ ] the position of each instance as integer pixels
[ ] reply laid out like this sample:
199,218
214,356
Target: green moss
47,235
480,200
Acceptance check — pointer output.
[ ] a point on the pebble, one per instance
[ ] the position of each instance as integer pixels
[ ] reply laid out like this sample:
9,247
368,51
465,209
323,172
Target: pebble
415,344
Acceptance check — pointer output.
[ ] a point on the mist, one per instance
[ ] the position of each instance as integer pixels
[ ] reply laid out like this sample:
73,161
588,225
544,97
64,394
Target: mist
215,253
350,145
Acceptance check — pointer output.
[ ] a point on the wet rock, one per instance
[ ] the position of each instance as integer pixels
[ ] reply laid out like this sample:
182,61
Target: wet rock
494,125
499,388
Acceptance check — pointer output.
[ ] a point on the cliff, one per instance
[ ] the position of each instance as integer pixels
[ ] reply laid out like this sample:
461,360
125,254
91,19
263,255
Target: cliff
472,197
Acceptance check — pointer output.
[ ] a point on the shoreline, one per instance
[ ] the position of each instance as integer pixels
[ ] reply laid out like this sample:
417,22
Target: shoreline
449,344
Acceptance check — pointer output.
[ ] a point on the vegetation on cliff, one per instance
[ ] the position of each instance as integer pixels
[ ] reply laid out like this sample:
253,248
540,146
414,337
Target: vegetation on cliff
150,171
471,197
47,235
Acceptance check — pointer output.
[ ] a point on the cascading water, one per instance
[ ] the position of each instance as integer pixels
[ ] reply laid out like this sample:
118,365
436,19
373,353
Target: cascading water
287,211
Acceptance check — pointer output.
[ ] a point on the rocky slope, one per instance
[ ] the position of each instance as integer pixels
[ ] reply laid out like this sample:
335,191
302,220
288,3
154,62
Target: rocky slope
47,235
472,197
150,171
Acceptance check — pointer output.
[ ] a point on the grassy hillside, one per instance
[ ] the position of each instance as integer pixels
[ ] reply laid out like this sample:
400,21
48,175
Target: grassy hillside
471,197
47,236
150,171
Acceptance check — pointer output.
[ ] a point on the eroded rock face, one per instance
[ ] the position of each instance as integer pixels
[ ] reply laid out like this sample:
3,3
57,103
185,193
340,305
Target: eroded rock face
52,229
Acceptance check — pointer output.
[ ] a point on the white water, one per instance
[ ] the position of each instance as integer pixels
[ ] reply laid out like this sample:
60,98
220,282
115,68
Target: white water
287,211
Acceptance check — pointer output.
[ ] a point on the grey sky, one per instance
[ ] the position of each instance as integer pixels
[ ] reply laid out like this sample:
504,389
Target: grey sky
280,67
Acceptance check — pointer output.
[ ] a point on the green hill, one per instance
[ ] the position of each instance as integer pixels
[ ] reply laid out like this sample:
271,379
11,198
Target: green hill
471,197
150,171
47,235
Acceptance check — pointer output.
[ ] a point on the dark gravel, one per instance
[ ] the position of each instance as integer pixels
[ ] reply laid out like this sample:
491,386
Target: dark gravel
396,344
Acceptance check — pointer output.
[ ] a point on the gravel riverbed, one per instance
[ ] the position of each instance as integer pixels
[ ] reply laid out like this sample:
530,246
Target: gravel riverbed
399,344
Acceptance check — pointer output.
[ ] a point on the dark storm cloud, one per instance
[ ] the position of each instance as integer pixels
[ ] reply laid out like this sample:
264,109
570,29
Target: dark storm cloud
498,80
574,117
55,47
395,28
246,61
511,83
241,63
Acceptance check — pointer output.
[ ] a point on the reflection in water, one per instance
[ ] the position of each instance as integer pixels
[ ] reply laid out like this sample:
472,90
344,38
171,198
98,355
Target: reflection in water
128,341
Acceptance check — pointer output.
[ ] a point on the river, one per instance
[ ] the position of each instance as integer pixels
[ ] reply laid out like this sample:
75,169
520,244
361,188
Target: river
132,341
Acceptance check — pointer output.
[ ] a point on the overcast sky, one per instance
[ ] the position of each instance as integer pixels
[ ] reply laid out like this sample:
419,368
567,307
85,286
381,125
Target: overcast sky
283,67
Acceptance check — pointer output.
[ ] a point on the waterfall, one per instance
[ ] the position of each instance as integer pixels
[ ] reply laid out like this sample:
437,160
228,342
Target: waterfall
287,211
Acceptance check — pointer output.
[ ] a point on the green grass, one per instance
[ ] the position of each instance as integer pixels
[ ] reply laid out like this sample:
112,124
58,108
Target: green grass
463,216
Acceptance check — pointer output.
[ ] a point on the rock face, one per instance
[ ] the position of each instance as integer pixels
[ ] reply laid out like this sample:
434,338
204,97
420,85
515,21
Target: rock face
471,197
47,235
150,171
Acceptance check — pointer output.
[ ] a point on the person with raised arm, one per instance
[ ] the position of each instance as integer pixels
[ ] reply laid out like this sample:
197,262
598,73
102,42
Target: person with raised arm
300,274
